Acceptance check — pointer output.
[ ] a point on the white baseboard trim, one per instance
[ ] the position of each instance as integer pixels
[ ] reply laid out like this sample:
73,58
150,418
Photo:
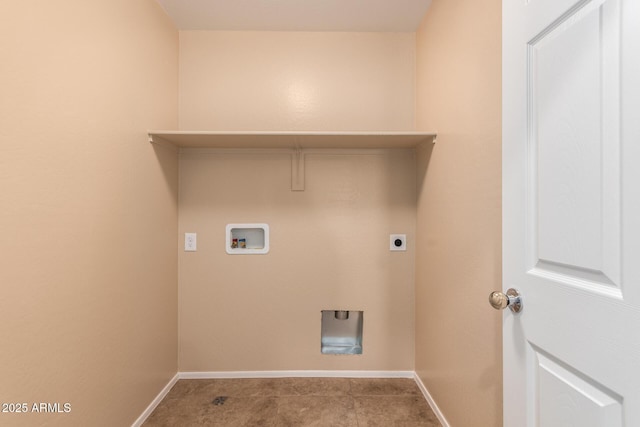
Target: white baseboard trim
142,418
295,374
430,401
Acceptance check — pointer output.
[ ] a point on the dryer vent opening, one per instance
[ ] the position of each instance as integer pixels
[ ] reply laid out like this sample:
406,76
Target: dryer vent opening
341,332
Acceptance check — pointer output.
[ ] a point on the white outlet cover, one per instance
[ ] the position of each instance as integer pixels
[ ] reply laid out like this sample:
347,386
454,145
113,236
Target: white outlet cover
392,242
190,242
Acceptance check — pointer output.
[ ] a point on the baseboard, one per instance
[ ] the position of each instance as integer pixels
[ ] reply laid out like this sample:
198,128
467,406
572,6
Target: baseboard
142,418
430,401
295,374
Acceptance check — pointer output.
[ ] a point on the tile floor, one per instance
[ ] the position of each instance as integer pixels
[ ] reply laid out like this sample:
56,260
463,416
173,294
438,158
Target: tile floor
334,402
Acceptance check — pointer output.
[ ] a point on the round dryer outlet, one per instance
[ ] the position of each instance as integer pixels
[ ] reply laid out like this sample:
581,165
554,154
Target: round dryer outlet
398,242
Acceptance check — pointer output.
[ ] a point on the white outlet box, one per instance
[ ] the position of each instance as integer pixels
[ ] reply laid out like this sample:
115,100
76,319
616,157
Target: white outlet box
247,239
190,242
398,242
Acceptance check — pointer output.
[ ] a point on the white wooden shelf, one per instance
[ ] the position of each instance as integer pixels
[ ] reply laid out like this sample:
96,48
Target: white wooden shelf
269,139
295,141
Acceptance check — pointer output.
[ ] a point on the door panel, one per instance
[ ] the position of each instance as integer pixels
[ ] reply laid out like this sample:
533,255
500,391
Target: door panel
571,212
566,397
573,123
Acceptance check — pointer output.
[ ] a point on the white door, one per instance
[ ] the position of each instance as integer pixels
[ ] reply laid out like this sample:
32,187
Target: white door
571,212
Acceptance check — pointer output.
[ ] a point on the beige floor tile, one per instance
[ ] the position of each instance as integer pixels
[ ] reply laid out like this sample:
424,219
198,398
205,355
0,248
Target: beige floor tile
314,387
246,387
397,411
316,411
236,411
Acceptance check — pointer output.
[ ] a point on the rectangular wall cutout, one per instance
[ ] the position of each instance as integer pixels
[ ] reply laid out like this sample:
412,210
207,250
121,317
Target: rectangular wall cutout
247,239
341,332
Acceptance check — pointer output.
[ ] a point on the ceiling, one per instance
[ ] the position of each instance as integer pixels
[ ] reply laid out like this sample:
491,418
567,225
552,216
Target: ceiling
297,15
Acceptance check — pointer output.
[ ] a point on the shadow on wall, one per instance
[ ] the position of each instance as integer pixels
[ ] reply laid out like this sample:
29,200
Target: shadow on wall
167,159
423,158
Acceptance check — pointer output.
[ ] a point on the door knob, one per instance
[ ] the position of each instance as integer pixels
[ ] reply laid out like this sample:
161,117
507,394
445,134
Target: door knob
511,299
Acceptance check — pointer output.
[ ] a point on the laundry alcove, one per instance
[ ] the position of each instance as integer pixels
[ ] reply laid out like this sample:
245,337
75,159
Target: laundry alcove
328,245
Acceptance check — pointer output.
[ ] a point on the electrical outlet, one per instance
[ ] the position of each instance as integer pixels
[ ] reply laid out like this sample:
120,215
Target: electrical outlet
398,242
189,242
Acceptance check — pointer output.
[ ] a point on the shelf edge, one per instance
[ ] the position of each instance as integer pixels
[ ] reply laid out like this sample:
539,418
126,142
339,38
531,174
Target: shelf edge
290,139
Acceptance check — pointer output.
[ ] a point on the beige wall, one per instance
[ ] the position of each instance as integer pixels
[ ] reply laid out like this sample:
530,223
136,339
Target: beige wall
458,341
88,208
296,81
330,243
329,250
